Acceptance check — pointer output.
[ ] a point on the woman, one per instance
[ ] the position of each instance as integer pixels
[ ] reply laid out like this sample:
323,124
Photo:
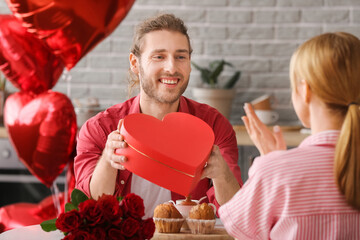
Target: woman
312,191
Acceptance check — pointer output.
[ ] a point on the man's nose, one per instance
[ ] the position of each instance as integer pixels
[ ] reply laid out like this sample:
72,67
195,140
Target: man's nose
170,66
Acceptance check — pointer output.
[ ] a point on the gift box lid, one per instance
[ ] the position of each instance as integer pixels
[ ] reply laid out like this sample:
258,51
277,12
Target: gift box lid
181,142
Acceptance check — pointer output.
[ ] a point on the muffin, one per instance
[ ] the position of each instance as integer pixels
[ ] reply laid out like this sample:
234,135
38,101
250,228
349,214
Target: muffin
167,218
201,219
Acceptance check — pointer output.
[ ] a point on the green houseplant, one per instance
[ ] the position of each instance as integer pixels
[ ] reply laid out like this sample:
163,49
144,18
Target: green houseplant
219,96
210,74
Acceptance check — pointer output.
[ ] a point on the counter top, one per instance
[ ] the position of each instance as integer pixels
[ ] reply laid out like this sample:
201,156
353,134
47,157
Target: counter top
292,135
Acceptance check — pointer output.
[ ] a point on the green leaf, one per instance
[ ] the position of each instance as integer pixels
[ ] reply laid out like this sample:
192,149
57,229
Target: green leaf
69,207
119,198
48,225
232,81
216,71
77,197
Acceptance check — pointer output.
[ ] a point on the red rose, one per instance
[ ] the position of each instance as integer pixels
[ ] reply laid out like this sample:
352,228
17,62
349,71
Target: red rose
129,227
115,234
82,235
110,208
98,233
147,228
69,221
91,212
133,205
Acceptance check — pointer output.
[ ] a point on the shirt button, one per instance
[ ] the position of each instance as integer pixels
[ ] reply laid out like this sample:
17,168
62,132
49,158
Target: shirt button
122,182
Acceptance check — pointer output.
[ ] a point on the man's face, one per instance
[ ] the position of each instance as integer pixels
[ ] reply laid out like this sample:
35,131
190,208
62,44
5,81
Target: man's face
164,66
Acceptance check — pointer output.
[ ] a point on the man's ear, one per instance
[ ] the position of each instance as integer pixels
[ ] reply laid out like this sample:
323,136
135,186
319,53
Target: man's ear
305,91
134,65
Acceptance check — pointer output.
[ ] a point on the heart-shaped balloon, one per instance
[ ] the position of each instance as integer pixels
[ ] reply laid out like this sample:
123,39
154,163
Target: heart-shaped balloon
42,130
170,153
71,28
25,60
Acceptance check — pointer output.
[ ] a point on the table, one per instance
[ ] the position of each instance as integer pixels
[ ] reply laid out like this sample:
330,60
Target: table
34,232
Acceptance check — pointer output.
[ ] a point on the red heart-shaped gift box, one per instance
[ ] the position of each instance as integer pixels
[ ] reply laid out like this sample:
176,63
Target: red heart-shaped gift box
170,153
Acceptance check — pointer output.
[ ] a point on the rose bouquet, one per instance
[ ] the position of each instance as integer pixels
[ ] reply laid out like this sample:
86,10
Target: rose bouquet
106,218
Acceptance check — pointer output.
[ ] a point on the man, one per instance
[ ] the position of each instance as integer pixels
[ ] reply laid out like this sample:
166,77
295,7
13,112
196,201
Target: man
160,61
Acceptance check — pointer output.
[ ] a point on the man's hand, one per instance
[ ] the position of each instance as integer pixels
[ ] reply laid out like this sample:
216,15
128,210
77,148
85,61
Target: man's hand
114,141
224,181
265,140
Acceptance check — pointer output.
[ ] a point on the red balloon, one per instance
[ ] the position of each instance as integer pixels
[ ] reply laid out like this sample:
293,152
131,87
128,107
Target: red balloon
42,130
71,28
25,59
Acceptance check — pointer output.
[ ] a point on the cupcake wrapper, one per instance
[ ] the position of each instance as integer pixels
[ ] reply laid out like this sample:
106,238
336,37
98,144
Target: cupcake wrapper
168,225
199,226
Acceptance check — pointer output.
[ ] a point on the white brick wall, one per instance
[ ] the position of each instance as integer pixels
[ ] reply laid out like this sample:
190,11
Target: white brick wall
258,37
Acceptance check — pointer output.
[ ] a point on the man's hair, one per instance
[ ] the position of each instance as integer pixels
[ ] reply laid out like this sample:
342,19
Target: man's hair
159,22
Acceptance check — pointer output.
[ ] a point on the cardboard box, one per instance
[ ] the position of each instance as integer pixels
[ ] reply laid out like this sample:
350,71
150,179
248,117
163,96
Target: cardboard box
170,153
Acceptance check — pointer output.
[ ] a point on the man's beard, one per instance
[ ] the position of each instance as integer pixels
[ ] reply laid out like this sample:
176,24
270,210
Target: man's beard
147,86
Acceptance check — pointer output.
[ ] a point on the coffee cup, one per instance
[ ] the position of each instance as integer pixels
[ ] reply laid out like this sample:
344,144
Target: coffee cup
262,103
267,116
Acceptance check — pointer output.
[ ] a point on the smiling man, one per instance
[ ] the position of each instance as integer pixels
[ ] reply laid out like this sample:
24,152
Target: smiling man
160,64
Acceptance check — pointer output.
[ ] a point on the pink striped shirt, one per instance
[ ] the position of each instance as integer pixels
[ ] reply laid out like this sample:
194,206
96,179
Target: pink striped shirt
293,195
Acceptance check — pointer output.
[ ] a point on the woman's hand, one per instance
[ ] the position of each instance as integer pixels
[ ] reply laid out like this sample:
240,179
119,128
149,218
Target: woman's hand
114,141
265,140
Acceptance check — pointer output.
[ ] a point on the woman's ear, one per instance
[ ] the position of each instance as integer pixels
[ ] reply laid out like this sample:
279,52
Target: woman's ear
305,91
134,65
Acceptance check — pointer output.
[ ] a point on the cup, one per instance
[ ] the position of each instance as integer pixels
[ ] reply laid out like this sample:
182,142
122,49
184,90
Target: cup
267,116
262,103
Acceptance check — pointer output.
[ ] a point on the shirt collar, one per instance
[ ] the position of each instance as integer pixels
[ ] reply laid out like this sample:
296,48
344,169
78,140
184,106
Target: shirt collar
135,106
328,137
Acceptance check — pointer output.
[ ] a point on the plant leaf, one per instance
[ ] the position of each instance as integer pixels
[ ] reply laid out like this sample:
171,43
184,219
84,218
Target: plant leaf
232,81
205,73
217,71
69,207
77,197
48,225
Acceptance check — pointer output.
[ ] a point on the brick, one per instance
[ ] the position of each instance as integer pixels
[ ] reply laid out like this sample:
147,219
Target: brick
252,65
252,3
102,47
120,77
327,16
285,16
91,77
251,32
219,48
121,45
189,15
197,46
302,3
157,2
226,16
205,3
124,31
137,14
270,80
281,64
208,32
356,16
297,32
108,62
273,49
343,3
355,30
77,91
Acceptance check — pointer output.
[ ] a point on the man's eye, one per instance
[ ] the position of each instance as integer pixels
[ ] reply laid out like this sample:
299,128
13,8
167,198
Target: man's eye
158,57
181,57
